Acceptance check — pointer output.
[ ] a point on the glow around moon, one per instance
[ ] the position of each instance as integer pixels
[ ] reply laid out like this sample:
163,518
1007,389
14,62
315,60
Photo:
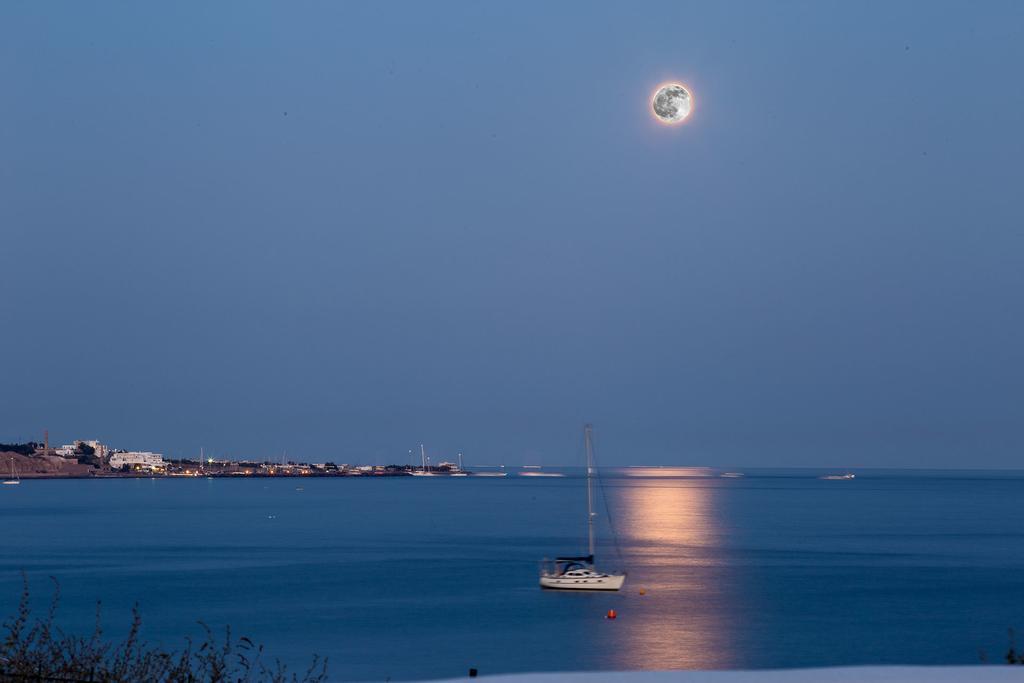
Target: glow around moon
672,103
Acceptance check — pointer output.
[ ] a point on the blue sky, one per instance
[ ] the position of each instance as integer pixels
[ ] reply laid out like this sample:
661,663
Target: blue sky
347,228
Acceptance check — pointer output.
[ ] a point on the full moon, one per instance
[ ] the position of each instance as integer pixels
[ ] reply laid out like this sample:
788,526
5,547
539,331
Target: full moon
672,103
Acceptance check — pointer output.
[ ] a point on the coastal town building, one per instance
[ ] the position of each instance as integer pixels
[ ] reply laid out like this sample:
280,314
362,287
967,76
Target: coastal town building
71,450
99,450
137,460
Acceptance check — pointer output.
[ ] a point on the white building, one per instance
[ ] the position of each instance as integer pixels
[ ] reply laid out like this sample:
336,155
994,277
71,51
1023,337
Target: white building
137,459
99,450
70,450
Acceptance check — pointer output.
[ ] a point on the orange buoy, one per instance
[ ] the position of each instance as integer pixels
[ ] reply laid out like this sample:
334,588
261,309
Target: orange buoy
643,591
611,614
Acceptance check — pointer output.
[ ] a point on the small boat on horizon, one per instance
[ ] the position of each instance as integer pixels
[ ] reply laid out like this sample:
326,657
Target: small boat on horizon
442,469
455,470
425,469
15,479
837,477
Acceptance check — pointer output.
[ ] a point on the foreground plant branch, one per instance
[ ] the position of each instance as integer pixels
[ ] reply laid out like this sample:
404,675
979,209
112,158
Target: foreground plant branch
37,650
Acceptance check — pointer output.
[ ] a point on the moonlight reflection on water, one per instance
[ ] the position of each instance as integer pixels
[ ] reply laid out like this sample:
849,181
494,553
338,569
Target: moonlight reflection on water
669,523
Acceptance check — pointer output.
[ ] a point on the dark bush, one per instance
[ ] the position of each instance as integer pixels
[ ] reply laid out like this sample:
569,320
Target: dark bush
19,448
1012,656
39,651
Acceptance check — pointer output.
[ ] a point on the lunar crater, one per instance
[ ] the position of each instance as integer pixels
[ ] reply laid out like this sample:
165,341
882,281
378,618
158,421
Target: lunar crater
672,103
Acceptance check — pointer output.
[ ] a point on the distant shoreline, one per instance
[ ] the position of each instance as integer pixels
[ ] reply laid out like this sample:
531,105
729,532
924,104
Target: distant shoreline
213,475
19,466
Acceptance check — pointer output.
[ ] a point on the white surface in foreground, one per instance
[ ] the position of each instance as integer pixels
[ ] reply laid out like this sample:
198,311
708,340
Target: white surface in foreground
851,674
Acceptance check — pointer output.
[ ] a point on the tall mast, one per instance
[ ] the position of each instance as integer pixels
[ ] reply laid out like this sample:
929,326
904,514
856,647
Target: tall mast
587,436
423,457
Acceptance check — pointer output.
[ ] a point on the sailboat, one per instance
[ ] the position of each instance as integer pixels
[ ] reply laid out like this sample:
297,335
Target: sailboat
14,480
580,573
425,472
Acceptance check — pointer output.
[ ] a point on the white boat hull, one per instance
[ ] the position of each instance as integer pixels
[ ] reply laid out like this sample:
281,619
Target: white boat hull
607,582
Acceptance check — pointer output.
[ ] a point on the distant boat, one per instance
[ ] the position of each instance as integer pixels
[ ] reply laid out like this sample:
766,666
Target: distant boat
425,471
580,573
732,475
459,472
848,475
489,474
541,474
15,479
452,469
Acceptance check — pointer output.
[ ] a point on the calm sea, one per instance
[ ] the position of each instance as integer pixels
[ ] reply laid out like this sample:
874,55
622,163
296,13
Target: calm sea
415,578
